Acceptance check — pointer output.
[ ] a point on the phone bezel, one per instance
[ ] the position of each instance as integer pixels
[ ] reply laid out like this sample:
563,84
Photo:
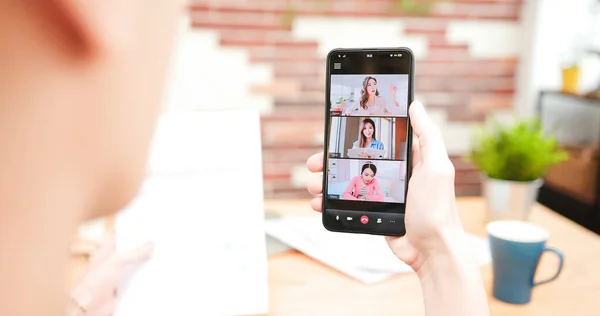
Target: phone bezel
328,219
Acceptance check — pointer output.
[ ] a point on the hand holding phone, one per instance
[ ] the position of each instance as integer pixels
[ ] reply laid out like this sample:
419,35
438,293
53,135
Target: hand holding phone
434,245
431,214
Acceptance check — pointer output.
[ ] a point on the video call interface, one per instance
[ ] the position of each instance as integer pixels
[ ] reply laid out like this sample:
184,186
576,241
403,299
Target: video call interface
368,137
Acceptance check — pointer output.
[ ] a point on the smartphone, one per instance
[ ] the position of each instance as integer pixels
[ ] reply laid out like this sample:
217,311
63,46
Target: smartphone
368,140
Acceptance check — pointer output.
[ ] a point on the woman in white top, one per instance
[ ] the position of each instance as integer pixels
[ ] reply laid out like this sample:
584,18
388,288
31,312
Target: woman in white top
371,103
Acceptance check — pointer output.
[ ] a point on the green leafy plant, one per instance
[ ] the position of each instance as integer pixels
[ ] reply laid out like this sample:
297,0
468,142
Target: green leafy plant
415,7
515,152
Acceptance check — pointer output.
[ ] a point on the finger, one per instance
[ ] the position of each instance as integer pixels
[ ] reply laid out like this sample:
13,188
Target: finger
315,163
317,204
315,186
134,256
430,137
416,154
106,249
108,309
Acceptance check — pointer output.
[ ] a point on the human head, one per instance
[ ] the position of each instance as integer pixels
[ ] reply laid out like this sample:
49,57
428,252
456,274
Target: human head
82,87
369,88
368,173
367,128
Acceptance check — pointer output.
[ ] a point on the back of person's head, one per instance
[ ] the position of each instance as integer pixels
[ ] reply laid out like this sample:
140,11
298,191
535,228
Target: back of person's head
81,89
81,86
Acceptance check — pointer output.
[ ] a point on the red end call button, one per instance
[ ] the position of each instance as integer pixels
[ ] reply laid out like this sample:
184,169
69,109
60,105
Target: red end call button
364,219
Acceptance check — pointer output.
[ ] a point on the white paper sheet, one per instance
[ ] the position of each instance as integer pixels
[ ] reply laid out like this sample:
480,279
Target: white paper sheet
366,258
203,209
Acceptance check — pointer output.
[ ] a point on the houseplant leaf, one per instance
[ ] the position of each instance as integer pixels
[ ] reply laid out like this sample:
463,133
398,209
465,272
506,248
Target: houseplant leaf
516,152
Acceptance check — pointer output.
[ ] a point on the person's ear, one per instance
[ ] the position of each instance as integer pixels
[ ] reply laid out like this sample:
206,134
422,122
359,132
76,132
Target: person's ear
90,26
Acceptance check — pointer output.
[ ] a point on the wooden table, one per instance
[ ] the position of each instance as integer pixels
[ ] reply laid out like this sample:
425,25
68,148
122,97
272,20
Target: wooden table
302,286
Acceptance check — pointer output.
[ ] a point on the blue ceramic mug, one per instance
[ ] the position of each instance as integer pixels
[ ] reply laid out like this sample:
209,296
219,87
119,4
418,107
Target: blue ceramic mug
516,248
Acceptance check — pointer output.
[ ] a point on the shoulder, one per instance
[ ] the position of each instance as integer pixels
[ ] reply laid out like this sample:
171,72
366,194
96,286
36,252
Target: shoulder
378,144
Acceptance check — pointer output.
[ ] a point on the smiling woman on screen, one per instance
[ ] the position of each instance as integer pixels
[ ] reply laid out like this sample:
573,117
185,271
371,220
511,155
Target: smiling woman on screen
365,186
371,102
366,138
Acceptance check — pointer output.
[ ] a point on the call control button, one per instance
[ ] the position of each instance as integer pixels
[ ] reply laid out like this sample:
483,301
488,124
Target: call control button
364,219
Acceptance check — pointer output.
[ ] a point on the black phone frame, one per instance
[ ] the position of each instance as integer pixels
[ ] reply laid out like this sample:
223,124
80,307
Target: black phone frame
392,222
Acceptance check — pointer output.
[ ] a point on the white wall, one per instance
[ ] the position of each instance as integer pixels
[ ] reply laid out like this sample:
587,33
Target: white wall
205,76
555,33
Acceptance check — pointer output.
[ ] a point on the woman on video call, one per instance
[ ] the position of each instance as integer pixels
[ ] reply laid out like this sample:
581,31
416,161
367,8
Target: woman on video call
366,138
371,102
365,186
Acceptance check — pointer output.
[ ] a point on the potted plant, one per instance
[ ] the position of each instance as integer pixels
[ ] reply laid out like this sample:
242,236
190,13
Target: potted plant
513,159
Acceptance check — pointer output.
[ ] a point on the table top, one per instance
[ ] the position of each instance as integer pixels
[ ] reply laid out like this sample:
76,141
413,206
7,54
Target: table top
299,285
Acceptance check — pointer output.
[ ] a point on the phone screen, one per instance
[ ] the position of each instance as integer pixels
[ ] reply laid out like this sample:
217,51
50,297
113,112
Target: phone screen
367,138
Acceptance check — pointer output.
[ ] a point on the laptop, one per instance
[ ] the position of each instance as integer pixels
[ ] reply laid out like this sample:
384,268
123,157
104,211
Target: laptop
375,153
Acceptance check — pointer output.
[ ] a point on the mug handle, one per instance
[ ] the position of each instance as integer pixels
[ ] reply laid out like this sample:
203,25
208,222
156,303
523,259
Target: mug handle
561,259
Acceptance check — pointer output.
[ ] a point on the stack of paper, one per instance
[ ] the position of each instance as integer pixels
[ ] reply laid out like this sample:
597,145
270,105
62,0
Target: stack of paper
366,258
203,209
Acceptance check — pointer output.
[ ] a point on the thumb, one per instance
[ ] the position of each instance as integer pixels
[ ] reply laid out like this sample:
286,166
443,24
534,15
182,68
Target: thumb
430,138
137,255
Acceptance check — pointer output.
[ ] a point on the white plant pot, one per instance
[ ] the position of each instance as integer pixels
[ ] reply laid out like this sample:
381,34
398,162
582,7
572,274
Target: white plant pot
509,200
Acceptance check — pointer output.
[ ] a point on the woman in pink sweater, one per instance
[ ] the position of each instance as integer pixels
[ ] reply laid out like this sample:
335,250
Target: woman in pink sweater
365,187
